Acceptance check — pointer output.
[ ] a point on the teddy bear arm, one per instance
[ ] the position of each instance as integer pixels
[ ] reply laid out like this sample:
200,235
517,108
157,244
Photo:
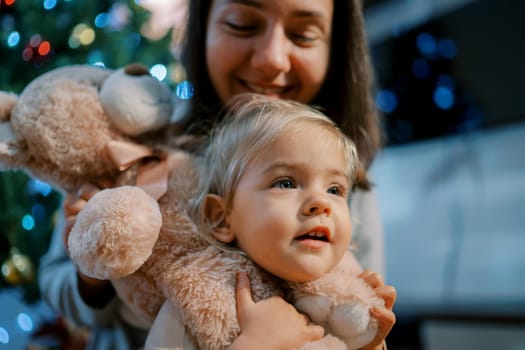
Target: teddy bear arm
202,286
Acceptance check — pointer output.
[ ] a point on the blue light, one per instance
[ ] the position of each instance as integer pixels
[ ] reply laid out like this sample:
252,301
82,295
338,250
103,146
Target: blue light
28,223
420,68
4,336
101,20
13,39
25,322
159,71
50,4
426,44
40,187
447,48
386,101
443,97
184,90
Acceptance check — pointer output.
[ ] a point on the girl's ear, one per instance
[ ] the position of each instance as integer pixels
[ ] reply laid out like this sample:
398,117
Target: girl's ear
215,214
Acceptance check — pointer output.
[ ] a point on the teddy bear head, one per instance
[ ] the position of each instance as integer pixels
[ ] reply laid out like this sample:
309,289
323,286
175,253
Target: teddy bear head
61,125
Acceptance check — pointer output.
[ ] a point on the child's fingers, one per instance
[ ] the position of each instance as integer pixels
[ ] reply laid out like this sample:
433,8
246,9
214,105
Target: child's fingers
373,279
386,320
388,294
243,293
315,332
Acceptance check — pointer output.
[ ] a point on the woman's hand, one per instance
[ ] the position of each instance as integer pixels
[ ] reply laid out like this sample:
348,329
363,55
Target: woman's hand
384,316
95,292
271,323
72,205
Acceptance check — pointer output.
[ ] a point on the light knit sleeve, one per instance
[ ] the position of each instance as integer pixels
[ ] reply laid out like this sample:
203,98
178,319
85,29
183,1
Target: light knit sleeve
168,331
367,231
59,286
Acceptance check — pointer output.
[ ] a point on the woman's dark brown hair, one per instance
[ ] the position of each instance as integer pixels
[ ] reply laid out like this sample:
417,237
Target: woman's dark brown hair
346,96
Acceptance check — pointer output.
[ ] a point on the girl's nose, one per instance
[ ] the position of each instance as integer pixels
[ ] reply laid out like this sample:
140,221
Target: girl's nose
318,205
271,52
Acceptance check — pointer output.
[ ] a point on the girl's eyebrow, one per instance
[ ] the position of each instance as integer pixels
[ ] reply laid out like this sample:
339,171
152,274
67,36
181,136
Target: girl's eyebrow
285,166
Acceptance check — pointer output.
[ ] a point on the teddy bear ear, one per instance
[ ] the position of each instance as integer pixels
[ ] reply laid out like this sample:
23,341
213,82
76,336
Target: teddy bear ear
135,101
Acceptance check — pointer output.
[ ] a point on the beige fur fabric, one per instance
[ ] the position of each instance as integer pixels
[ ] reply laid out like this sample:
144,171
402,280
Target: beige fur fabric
58,128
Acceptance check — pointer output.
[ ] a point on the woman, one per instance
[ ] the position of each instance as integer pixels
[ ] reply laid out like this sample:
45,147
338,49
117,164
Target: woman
311,51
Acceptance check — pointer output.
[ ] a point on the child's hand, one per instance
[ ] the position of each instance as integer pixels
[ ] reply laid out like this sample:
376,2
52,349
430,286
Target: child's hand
271,323
385,317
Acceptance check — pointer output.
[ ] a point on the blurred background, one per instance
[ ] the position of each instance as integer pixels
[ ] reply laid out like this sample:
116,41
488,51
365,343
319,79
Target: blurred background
450,181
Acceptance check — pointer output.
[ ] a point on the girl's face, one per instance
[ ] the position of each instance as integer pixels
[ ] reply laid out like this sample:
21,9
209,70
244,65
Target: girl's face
279,48
290,211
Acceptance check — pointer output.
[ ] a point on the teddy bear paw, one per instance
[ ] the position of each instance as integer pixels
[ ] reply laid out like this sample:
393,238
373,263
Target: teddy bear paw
351,322
115,232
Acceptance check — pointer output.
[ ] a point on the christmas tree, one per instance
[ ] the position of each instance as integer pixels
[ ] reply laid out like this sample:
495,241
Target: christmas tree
37,36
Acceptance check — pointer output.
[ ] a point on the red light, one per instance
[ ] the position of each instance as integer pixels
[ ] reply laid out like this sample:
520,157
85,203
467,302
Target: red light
44,48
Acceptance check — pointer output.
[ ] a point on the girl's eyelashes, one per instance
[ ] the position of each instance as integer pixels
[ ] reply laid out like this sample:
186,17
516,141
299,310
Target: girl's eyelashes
337,190
283,183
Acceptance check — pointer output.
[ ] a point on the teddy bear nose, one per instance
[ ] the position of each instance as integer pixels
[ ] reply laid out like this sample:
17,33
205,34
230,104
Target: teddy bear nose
136,69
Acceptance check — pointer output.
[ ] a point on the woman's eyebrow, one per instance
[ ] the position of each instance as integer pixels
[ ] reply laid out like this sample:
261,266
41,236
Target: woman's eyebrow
259,4
254,3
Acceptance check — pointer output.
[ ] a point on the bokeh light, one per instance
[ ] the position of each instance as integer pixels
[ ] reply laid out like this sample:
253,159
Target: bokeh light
40,187
13,39
443,97
101,20
82,34
28,223
426,44
49,4
4,336
159,71
184,90
386,101
25,322
44,48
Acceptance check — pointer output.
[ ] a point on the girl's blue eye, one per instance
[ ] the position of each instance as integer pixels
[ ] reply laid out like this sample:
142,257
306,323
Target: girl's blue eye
283,184
337,191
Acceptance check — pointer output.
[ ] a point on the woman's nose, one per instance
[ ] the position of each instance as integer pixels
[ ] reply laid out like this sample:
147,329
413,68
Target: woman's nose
271,52
317,205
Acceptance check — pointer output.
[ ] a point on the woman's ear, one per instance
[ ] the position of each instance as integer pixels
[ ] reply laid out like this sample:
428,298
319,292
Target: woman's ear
215,214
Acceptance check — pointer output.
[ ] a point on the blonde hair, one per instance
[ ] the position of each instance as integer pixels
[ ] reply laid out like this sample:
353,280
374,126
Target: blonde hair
253,122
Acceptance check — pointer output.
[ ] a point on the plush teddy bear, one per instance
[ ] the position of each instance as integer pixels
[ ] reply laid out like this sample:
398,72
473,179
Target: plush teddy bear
83,124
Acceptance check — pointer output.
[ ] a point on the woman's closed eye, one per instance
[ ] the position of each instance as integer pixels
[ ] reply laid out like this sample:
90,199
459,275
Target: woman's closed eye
240,27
